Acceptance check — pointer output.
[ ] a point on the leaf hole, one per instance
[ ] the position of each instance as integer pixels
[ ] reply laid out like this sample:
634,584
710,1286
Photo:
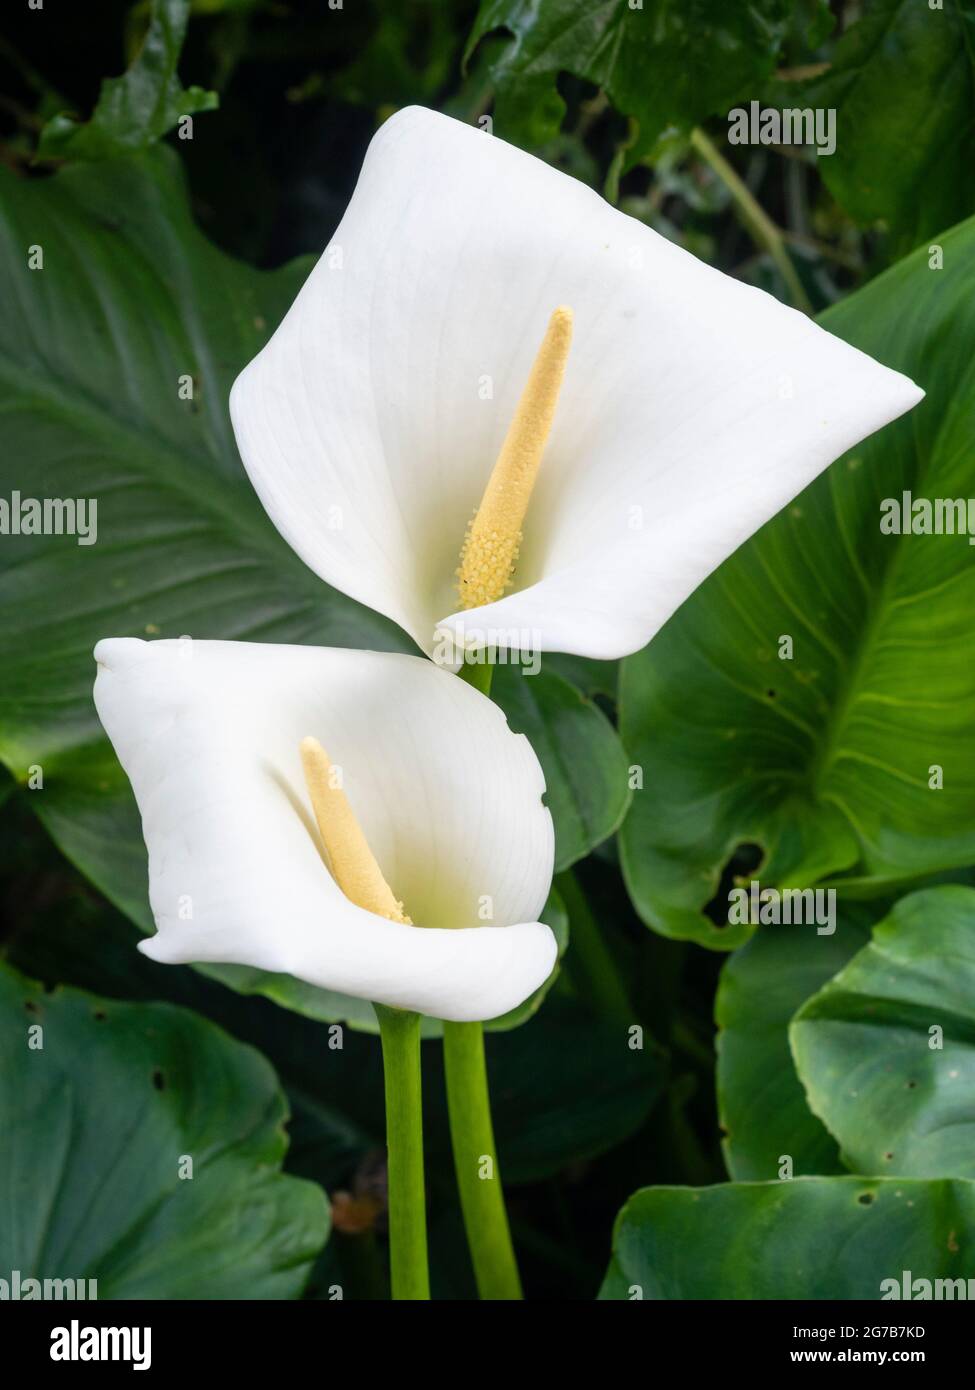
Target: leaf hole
865,1199
742,863
158,1080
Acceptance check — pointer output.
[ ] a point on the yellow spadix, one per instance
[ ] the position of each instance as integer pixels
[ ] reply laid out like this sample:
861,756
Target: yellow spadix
352,862
493,538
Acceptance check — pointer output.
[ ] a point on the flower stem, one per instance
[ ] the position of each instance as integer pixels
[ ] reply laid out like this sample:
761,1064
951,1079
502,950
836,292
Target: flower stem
400,1033
476,1163
472,1133
760,226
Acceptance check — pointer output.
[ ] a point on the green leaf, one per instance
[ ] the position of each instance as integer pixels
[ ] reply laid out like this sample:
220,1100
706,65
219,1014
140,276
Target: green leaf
812,1238
585,767
761,1101
886,1050
812,23
824,760
669,64
97,1123
592,677
902,156
138,108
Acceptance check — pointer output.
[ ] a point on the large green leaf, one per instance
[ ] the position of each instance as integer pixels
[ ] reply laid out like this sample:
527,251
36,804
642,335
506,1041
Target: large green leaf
823,760
761,1102
97,1123
903,155
667,64
886,1050
136,109
585,766
131,298
812,1238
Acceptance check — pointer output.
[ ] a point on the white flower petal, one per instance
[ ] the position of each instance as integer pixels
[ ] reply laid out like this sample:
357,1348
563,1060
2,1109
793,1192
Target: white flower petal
448,797
694,407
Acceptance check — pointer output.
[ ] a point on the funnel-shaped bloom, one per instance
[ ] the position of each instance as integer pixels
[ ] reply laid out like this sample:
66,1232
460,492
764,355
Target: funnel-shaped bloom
446,796
691,408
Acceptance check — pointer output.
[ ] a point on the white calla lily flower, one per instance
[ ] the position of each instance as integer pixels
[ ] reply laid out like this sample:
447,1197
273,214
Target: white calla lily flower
448,799
688,409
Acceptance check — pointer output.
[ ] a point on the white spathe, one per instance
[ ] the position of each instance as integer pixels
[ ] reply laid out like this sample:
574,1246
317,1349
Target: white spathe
450,801
693,408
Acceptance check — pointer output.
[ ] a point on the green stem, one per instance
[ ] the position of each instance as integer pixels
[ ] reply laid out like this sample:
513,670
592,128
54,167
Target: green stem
400,1033
472,1133
476,1162
761,227
589,961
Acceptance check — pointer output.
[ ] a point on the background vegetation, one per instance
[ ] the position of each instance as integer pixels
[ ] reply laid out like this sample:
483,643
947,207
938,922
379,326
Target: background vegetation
164,256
